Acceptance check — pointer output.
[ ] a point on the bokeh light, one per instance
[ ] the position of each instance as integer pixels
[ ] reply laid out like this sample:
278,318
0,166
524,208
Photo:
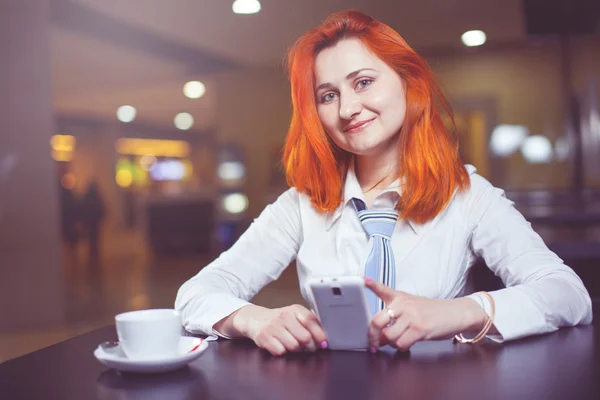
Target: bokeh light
194,89
235,203
183,121
537,149
68,181
506,139
124,178
231,170
473,38
126,114
246,6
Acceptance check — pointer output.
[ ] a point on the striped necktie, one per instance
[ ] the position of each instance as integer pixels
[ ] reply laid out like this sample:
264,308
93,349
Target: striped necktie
380,266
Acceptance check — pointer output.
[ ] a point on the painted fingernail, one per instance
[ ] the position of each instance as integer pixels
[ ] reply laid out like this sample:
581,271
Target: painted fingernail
324,344
368,279
373,349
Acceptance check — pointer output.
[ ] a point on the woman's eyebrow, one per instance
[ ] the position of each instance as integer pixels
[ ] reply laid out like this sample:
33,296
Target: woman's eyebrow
351,75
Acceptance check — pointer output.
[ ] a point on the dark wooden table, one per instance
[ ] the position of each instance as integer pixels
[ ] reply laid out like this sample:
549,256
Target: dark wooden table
562,365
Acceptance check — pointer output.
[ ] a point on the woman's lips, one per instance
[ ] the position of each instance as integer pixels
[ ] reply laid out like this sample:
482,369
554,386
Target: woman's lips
358,126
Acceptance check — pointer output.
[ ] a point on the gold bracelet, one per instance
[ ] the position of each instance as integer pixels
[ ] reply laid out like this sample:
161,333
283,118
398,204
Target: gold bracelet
486,328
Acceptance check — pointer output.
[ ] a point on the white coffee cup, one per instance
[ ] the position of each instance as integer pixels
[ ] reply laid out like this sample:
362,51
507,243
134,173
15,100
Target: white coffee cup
149,334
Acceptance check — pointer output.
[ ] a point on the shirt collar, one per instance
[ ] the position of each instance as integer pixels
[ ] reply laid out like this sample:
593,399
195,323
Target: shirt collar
352,190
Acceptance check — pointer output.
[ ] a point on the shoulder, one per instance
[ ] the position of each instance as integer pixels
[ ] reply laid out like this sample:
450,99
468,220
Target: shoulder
291,200
477,199
478,182
293,195
478,186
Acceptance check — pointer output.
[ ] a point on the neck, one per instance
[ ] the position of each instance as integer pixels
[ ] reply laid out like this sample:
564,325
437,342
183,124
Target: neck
376,171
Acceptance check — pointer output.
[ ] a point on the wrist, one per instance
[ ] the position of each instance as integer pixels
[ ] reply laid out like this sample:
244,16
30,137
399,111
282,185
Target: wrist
234,325
242,319
475,315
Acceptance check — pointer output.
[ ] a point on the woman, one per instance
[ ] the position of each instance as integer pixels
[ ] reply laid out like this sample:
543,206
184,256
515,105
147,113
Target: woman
368,140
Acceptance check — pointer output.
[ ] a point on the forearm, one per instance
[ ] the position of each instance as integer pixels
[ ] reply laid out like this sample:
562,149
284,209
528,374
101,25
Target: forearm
206,299
540,306
256,259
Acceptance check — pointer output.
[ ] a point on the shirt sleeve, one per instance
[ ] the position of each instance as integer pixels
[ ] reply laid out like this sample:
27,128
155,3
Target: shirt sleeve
542,294
258,257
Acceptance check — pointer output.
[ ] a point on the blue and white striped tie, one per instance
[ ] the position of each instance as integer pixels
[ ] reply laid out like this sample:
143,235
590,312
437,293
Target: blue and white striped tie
380,266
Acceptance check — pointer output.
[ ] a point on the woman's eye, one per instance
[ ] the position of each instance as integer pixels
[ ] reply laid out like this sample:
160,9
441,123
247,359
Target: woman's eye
363,83
327,97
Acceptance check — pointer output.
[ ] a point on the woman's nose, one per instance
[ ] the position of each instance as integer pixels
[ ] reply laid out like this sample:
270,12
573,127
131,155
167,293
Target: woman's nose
349,109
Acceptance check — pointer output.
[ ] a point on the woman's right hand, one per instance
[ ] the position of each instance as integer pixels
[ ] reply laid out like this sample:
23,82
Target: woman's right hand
280,330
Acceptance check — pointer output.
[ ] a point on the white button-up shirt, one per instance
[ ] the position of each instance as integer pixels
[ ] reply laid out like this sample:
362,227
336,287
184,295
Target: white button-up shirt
432,259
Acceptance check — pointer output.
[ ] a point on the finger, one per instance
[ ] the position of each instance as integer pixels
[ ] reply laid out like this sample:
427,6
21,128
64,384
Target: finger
310,321
390,334
287,340
379,321
273,346
407,339
385,293
311,347
300,333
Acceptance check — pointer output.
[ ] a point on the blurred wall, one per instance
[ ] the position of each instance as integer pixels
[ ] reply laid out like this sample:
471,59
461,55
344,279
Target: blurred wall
526,86
31,291
586,62
254,111
586,79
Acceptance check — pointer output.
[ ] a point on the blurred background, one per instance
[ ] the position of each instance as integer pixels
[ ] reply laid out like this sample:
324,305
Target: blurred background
139,138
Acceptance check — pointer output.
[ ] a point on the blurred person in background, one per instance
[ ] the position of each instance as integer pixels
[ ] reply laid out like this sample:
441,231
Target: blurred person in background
378,189
69,213
92,214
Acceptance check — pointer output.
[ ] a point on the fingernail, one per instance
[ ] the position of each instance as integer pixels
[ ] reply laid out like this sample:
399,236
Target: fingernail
324,344
373,349
368,279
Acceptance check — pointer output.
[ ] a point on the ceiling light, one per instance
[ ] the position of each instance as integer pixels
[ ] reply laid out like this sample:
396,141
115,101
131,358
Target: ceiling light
194,89
126,113
473,38
246,6
183,121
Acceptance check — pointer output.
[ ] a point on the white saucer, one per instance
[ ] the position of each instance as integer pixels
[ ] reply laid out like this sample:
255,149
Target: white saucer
116,359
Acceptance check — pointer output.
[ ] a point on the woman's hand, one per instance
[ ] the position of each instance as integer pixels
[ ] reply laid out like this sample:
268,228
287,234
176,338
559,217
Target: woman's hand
280,330
419,318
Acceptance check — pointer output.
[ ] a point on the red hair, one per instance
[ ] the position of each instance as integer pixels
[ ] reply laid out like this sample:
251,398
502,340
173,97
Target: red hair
430,165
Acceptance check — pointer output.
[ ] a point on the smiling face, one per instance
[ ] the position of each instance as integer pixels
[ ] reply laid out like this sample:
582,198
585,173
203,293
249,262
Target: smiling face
361,101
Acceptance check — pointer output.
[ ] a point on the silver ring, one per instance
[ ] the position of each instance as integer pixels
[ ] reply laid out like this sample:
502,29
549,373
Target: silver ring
392,316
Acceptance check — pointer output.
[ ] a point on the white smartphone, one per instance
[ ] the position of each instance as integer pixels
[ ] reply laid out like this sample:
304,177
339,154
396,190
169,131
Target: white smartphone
341,305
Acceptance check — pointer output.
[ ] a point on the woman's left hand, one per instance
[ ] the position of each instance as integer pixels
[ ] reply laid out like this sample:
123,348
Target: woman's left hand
419,318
